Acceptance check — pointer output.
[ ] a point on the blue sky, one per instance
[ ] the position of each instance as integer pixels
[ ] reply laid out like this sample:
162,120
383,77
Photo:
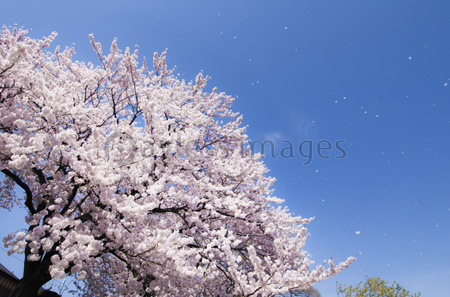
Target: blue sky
372,74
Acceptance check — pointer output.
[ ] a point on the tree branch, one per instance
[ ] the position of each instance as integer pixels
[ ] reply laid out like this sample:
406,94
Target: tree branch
25,187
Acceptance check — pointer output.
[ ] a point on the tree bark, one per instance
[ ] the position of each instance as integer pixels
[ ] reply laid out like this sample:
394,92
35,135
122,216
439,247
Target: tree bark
36,274
27,288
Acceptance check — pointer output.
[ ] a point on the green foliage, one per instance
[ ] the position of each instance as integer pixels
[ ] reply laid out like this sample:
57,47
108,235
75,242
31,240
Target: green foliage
374,287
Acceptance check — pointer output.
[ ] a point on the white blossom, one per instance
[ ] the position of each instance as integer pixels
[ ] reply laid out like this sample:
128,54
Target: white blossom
138,182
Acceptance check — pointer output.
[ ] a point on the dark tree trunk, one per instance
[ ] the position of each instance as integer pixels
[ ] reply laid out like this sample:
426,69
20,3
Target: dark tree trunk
35,275
27,288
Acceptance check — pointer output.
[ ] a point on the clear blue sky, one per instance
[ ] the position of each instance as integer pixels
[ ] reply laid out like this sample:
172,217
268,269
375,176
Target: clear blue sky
370,73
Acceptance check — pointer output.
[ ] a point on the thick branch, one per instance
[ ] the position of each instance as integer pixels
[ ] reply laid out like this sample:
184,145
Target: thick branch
25,187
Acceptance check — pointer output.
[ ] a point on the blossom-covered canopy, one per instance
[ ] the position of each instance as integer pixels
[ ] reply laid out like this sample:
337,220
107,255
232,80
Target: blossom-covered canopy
137,182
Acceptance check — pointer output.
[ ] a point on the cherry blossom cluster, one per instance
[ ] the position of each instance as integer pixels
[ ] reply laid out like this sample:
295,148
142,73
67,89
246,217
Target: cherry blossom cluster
169,222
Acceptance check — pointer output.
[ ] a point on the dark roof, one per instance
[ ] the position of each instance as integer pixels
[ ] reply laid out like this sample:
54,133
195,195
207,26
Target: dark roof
7,272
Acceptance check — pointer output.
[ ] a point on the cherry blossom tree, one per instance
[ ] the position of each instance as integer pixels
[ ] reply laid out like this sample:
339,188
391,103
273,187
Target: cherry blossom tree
136,182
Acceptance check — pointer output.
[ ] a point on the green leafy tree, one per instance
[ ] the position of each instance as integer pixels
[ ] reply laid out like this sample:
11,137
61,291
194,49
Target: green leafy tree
374,287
